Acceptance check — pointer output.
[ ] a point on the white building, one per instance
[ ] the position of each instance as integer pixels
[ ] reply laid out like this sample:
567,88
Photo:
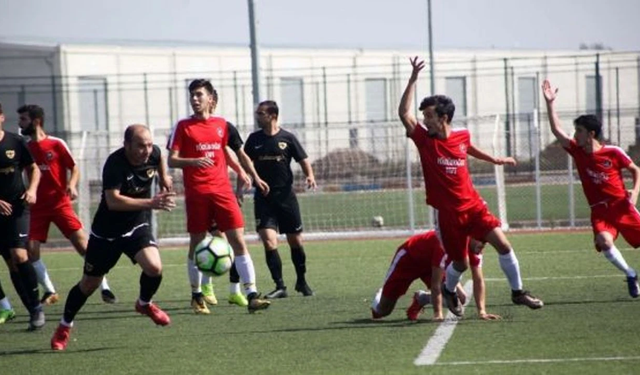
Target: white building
333,98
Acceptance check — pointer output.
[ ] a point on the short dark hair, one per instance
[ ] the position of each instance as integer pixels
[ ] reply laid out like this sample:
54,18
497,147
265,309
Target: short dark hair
34,112
591,123
444,105
201,82
1,109
271,107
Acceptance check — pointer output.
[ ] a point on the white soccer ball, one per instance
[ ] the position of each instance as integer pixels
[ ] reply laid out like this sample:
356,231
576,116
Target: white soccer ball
214,256
377,221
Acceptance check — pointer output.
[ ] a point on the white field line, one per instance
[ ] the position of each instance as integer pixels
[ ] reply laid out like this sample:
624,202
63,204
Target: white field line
431,352
540,360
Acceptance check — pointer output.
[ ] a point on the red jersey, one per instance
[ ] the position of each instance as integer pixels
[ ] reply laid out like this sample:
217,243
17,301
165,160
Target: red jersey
424,249
444,166
601,172
53,158
196,138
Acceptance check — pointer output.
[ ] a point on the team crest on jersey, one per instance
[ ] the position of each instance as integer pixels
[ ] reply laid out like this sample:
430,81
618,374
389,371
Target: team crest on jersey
607,164
49,155
463,147
220,132
282,145
151,173
10,154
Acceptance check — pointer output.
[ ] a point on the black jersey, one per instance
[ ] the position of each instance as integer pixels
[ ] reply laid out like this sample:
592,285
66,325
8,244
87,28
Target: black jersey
14,158
132,181
235,141
272,156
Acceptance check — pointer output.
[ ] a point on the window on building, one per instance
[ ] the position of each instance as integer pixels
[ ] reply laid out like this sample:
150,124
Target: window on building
592,101
456,89
292,101
92,98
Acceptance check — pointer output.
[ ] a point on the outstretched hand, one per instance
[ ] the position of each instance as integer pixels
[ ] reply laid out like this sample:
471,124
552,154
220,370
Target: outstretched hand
417,67
164,201
549,92
508,161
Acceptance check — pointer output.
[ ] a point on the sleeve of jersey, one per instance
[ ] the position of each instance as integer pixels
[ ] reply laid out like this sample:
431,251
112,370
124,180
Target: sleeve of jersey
111,175
572,147
298,150
624,159
234,141
248,147
65,155
418,135
175,139
26,158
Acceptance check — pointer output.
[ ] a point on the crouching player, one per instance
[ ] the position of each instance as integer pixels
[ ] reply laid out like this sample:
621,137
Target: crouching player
422,257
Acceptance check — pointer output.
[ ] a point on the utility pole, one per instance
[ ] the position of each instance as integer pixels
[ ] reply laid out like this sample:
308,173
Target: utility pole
432,73
255,56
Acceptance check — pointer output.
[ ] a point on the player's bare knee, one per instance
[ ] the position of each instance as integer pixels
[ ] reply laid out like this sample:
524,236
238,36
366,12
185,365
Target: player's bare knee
33,251
294,240
153,270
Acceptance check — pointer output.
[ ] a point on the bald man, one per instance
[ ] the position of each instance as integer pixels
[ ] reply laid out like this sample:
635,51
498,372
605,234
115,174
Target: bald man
122,225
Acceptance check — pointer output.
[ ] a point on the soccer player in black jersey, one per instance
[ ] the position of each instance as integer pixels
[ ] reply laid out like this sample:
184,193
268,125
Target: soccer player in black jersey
15,199
122,225
271,149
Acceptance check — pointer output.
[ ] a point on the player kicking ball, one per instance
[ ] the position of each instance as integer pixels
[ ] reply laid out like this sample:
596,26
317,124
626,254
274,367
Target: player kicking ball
422,257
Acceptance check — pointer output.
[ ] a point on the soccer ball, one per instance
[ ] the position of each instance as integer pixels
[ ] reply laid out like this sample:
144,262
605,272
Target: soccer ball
214,256
377,221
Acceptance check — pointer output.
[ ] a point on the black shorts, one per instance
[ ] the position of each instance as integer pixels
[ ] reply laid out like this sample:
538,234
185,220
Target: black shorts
14,229
279,210
103,254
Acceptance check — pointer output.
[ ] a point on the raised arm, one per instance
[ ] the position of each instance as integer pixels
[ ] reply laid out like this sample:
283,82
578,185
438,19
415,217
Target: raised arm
635,174
550,95
479,154
404,109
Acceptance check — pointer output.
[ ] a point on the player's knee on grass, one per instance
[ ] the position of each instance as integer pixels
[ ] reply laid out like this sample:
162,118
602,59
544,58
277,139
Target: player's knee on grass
386,306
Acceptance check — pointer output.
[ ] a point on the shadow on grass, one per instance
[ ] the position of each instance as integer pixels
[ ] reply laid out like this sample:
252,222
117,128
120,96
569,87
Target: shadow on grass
49,351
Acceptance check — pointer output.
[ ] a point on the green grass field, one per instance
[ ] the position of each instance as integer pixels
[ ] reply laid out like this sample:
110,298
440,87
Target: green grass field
588,326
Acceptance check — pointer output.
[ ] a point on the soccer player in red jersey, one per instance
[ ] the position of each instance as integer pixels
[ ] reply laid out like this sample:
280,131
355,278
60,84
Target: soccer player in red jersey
198,146
600,166
55,193
460,211
422,257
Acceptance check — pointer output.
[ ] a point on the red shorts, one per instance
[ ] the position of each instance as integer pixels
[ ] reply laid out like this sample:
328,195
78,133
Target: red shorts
205,208
620,217
455,228
403,271
61,215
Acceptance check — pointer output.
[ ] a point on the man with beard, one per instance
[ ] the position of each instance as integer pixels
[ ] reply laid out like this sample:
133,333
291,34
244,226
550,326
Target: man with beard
54,196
